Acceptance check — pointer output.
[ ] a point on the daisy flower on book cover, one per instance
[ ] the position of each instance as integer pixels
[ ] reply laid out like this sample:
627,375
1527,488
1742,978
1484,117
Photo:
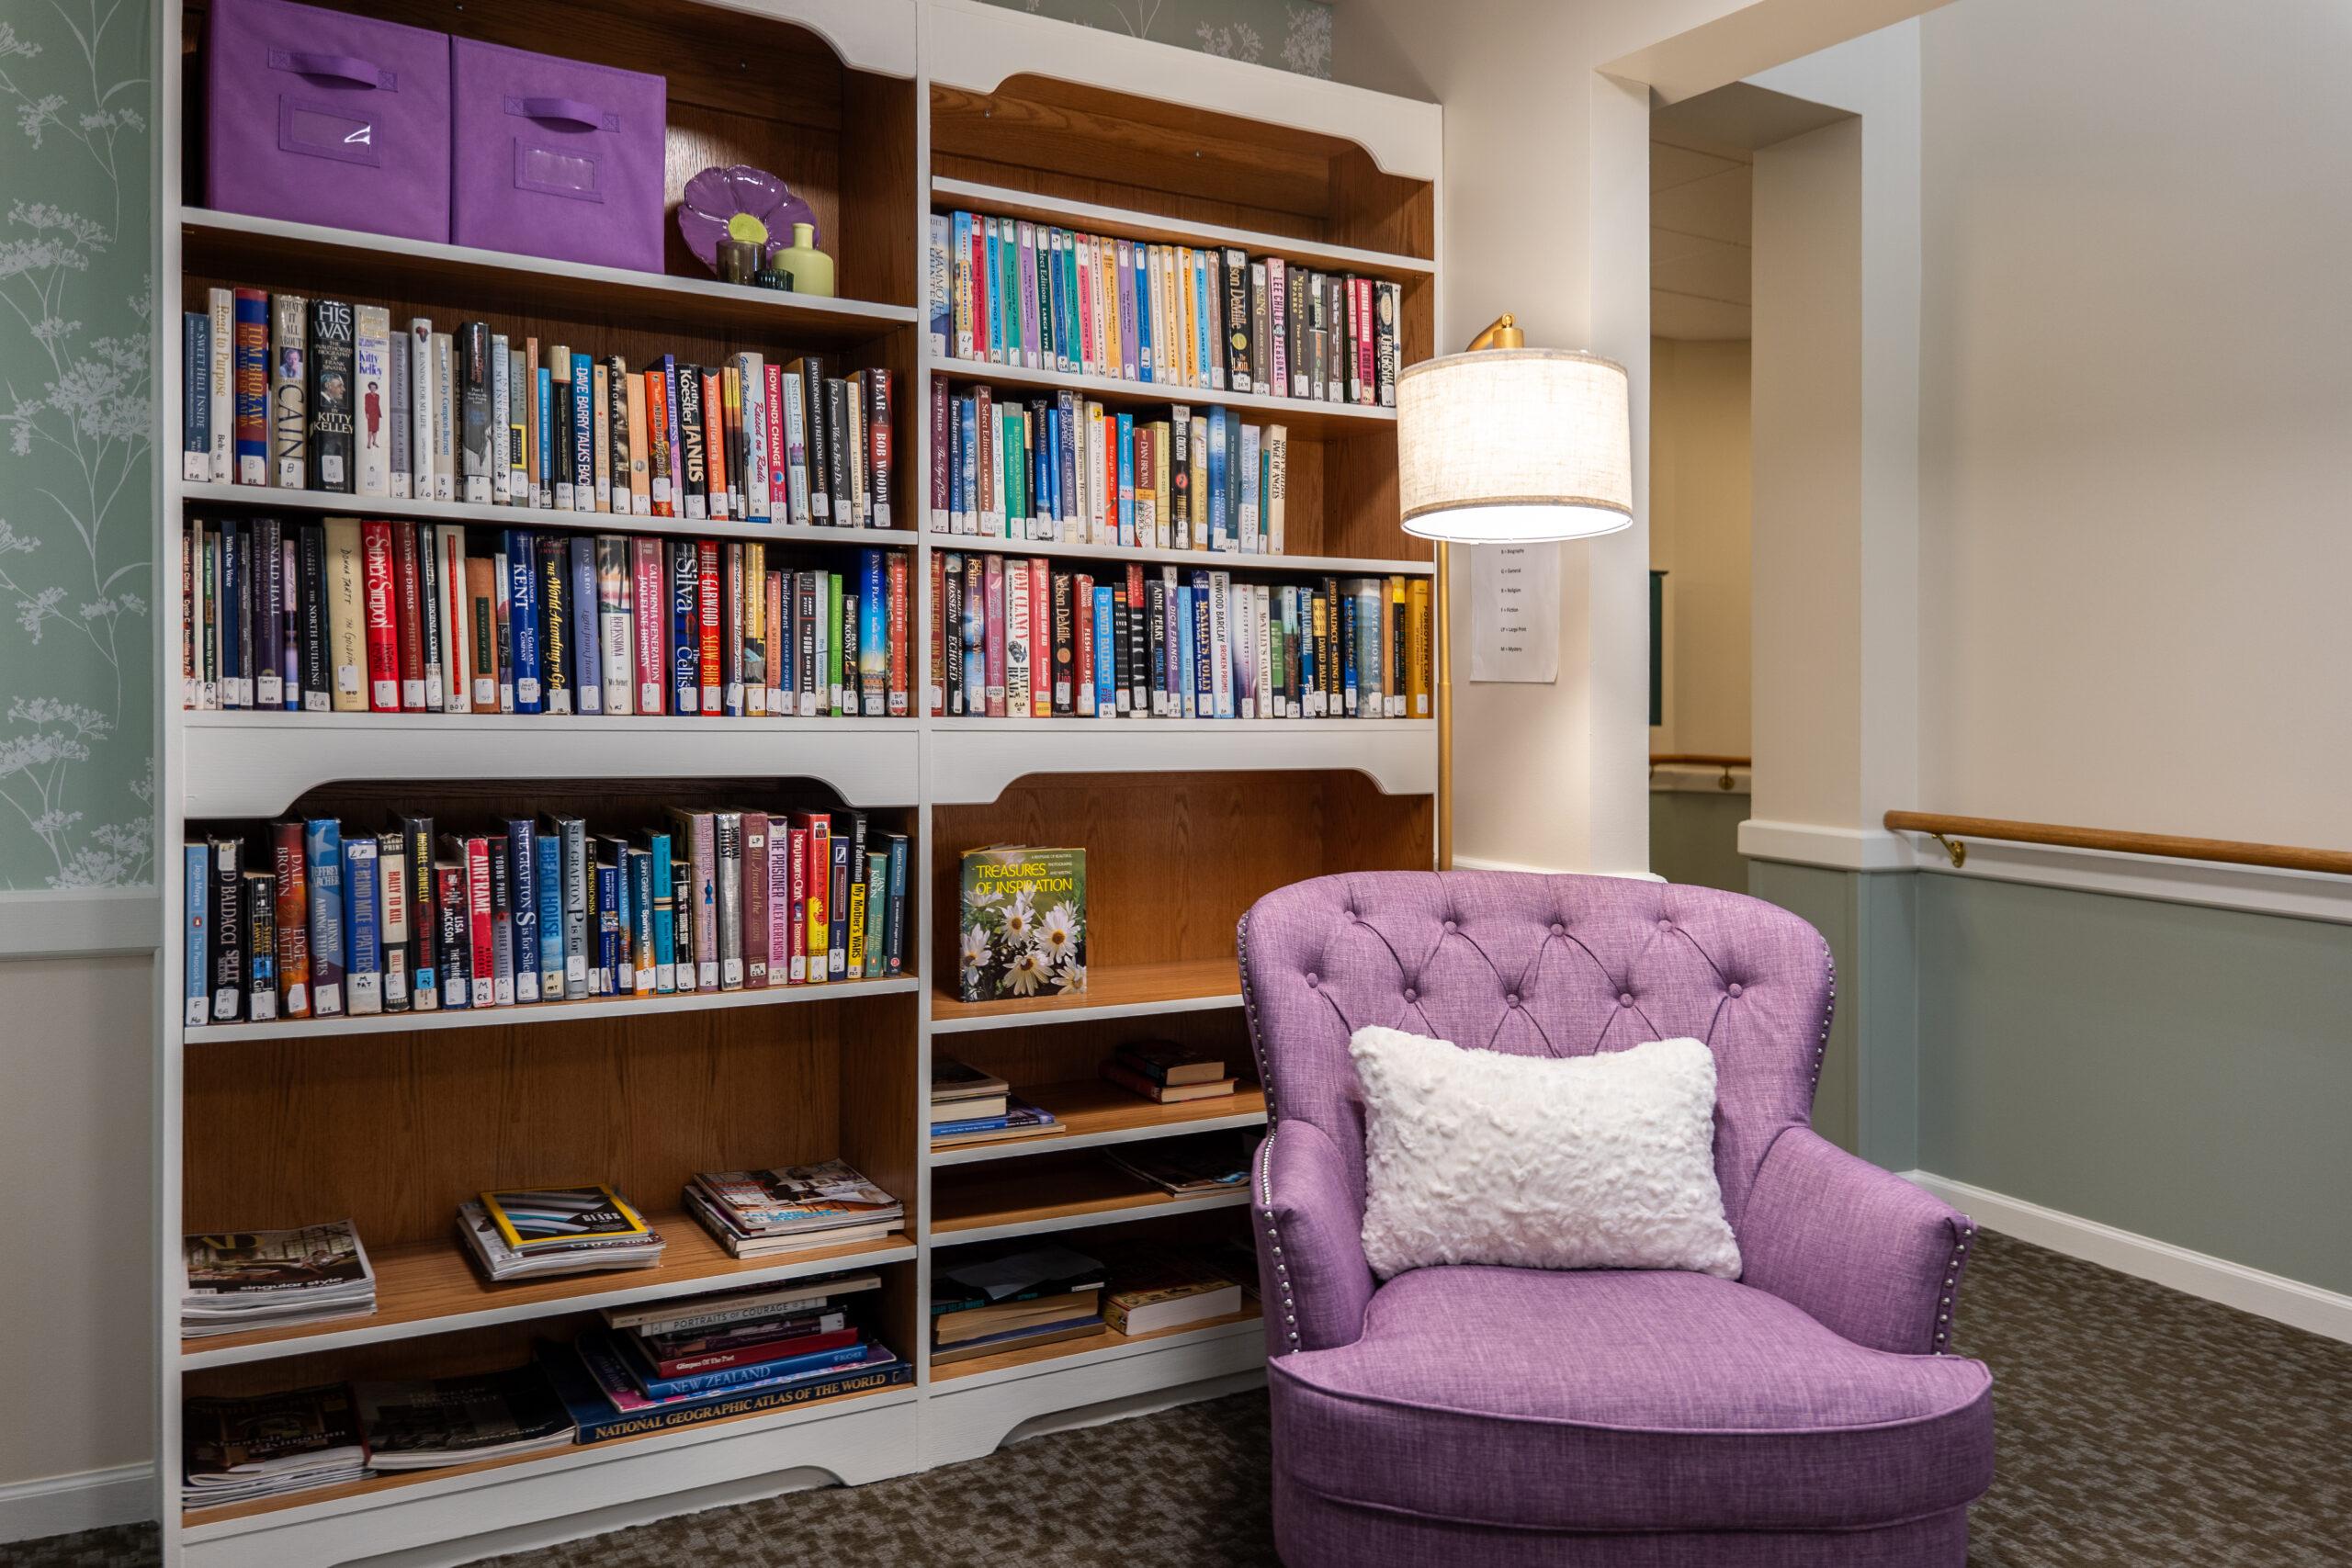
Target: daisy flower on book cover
1023,926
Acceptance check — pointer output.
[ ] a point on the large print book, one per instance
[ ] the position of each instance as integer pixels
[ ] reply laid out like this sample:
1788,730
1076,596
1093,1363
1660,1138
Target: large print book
238,1279
605,1405
422,1424
1023,922
236,1450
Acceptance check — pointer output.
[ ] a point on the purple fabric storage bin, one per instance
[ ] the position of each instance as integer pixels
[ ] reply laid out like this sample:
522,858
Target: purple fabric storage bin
556,157
321,118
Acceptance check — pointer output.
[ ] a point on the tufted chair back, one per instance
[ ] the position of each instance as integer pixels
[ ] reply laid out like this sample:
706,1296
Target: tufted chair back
1537,965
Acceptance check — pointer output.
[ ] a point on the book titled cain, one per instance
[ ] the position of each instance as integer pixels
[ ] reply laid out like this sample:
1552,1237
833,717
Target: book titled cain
1021,923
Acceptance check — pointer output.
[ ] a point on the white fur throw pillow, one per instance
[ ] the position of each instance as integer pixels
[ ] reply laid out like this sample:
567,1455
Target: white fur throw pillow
1576,1162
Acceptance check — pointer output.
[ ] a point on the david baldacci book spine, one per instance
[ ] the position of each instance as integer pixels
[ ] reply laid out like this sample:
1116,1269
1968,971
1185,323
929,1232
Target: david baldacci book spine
322,848
226,944
332,340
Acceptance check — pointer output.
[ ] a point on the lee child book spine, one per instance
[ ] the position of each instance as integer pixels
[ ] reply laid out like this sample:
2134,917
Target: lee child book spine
392,921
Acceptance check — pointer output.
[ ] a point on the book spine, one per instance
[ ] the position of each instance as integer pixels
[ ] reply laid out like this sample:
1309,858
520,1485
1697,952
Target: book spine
709,590
382,624
333,333
452,942
573,832
617,621
896,941
760,852
322,847
289,390
728,853
260,981
226,948
251,383
481,923
547,887
196,952
638,865
878,912
392,922
685,628
363,952
373,405
527,656
649,614
521,850
291,873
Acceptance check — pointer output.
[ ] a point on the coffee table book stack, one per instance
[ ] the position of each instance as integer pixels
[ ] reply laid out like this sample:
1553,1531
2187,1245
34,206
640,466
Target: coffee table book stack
378,1127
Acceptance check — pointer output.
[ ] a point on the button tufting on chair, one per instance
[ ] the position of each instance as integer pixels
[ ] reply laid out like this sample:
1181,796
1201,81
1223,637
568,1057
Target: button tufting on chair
1312,981
1732,989
1448,925
1559,930
1411,995
1511,1000
1625,999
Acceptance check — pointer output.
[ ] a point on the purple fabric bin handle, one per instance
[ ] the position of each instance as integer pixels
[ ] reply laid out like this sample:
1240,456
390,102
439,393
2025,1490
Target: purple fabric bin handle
344,67
588,117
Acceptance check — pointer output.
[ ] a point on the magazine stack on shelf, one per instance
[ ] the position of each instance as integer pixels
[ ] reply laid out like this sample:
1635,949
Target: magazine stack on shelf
240,1451
531,1233
756,1213
1013,1297
241,1280
424,1423
1191,1167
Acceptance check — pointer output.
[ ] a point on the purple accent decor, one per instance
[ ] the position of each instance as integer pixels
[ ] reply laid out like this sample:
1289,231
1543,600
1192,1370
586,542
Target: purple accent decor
556,157
717,194
1800,1417
316,117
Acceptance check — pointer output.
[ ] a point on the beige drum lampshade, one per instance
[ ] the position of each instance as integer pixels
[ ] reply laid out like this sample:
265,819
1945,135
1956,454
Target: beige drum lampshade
1509,444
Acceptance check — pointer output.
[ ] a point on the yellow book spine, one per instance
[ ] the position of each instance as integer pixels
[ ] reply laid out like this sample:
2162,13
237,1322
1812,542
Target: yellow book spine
1417,646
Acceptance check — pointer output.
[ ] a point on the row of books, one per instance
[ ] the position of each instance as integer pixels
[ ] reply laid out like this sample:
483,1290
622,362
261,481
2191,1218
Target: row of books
324,395
1019,638
355,616
1010,291
1014,1296
315,921
1068,469
661,1366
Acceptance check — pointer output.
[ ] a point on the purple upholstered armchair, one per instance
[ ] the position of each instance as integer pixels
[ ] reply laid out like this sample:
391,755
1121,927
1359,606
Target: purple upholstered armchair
1806,1414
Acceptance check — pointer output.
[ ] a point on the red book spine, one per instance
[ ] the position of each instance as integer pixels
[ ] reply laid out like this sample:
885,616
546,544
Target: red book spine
981,286
774,623
412,616
759,843
1082,598
1360,289
449,893
660,461
478,927
293,919
708,584
765,1350
651,604
383,627
797,928
779,462
937,700
898,634
994,578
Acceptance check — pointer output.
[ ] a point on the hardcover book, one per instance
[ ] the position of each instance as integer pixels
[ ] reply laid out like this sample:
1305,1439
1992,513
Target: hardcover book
1023,922
332,353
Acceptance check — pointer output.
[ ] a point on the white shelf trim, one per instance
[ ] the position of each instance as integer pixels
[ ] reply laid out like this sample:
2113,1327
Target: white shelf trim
269,498
1227,1199
1026,1019
974,760
1017,1148
1127,222
1211,560
1300,411
545,1012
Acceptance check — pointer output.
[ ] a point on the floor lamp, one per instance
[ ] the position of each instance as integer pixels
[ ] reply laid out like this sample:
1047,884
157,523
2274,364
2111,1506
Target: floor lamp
1503,444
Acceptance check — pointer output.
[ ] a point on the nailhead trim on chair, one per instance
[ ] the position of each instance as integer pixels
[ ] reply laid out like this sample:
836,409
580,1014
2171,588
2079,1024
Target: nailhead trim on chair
1274,1239
1828,1013
1951,1280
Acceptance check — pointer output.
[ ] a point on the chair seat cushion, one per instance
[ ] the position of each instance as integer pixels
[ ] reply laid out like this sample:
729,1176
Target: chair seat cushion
1623,1401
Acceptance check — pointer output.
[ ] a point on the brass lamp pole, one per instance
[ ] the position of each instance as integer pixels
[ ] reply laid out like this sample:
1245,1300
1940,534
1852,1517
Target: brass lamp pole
1503,444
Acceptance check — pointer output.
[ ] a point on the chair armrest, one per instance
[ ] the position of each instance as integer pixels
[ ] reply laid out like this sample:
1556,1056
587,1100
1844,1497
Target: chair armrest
1862,1250
1309,1228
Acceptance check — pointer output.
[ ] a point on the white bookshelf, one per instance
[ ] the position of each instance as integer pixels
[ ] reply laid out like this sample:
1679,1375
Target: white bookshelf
941,62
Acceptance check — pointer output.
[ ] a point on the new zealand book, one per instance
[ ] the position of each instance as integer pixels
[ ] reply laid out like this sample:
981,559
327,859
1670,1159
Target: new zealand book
844,1350
1021,922
424,1423
605,1404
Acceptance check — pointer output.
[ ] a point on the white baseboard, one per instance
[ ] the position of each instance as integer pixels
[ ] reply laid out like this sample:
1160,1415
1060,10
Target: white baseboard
2273,1296
59,1504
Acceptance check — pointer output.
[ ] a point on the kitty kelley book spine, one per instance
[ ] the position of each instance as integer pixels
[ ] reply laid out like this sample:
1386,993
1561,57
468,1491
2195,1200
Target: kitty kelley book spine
371,406
332,363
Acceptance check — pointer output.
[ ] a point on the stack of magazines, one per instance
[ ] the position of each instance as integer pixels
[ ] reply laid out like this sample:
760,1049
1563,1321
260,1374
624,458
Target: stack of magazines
533,1232
241,1279
755,1213
239,1451
424,1423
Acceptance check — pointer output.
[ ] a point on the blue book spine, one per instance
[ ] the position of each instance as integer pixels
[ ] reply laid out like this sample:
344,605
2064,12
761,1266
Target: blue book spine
641,1371
1049,465
1347,609
523,880
543,480
585,653
583,433
896,932
523,589
363,960
873,637
195,406
1106,697
993,250
976,633
253,371
1202,345
967,442
322,848
547,892
1220,525
685,628
195,898
608,929
1179,678
943,291
1126,438
665,915
1203,666
642,961
1144,370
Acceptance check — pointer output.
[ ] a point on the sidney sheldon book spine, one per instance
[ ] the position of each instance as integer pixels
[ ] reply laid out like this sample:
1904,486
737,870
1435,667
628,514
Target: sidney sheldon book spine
381,647
332,337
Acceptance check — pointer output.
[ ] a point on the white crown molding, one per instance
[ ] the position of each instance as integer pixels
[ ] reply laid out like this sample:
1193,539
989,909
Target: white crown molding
79,922
2273,1296
61,1504
1814,844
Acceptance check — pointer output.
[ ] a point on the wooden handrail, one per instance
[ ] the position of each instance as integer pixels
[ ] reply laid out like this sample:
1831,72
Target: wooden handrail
1700,760
1953,833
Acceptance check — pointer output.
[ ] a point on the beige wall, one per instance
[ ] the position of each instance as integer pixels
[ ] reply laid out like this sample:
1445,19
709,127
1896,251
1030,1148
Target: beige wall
1699,497
2136,433
77,1352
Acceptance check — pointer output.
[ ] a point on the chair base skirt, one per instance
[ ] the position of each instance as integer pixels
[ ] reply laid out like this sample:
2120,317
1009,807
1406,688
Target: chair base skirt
1315,1531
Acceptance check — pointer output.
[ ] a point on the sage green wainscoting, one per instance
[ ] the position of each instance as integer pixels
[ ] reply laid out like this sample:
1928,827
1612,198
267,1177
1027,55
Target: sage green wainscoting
1694,837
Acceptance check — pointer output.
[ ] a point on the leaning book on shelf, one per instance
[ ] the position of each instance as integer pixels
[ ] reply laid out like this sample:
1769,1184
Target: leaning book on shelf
1023,922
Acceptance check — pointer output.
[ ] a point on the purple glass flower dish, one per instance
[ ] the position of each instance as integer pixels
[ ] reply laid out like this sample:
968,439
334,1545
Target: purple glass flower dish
743,203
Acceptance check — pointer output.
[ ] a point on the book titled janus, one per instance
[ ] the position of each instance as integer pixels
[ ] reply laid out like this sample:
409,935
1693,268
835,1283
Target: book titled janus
1021,922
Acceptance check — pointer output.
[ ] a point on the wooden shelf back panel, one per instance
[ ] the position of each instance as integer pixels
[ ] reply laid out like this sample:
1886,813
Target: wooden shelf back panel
1048,1187
1092,1108
1125,990
1083,144
394,1131
1105,1346
1048,1049
1173,860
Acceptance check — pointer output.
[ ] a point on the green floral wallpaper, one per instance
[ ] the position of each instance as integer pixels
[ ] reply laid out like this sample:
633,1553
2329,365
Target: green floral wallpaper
76,702
1292,35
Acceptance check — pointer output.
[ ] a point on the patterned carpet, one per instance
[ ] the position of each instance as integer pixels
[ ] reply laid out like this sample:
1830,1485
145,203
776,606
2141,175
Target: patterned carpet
2137,1429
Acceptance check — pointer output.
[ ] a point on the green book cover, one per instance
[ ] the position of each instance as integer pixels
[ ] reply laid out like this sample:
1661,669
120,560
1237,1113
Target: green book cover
1022,923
